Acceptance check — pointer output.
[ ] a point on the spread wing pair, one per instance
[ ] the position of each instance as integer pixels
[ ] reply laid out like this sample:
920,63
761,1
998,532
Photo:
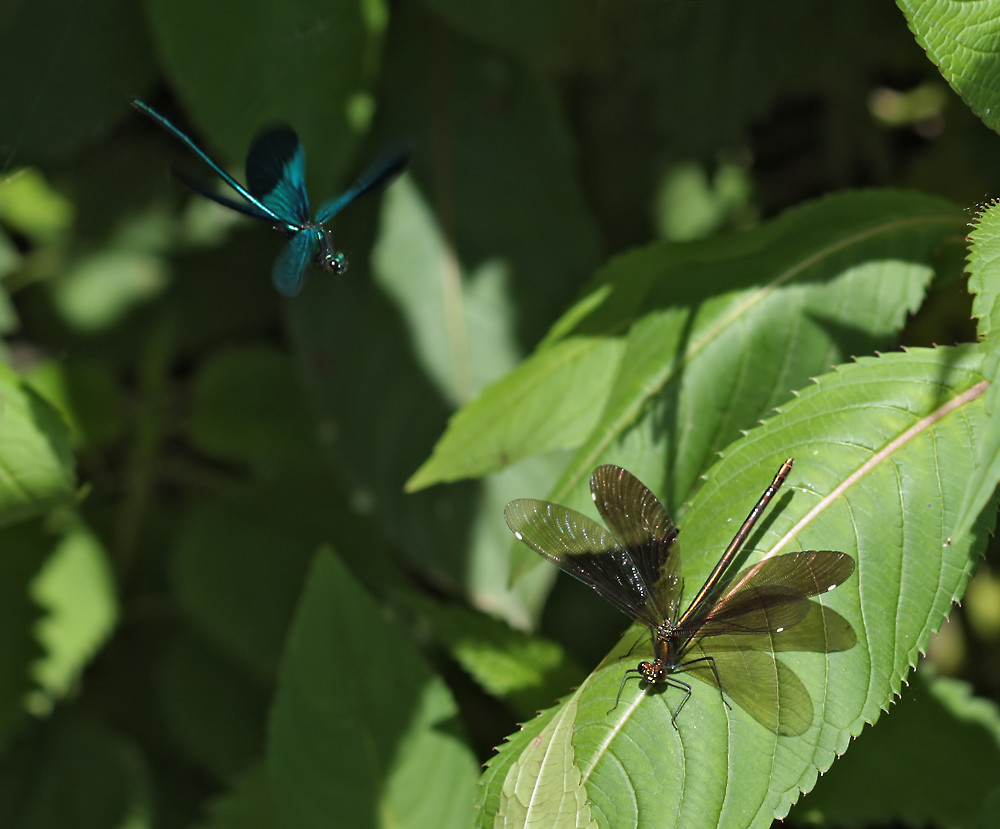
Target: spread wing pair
728,632
276,194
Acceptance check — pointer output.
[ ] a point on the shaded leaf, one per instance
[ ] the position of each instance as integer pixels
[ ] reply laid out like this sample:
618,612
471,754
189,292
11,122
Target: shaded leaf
25,550
239,566
668,335
100,58
249,408
460,285
524,670
36,464
337,48
217,710
246,806
78,773
352,745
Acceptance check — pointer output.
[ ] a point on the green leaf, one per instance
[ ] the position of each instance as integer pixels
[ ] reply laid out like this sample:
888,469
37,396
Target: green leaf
534,30
543,786
551,401
984,282
461,284
216,709
85,393
961,40
239,566
246,806
25,551
75,773
881,448
984,272
76,589
36,464
669,335
249,408
522,669
241,558
294,55
100,290
455,342
101,58
351,745
33,207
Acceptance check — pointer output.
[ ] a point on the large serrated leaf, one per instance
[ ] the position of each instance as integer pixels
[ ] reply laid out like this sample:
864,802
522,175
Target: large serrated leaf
881,447
961,40
543,786
670,334
984,283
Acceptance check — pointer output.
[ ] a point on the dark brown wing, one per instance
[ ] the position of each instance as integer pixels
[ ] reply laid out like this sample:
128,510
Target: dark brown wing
822,630
584,549
769,597
766,609
642,527
810,573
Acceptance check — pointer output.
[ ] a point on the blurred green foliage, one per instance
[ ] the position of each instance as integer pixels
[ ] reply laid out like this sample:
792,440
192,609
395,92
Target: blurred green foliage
221,605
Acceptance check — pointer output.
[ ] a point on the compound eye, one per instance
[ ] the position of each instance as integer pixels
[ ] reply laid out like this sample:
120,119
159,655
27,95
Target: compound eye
652,672
336,264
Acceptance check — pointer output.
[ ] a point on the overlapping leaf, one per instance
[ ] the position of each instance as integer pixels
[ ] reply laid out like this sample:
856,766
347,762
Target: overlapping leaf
352,746
882,449
668,336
